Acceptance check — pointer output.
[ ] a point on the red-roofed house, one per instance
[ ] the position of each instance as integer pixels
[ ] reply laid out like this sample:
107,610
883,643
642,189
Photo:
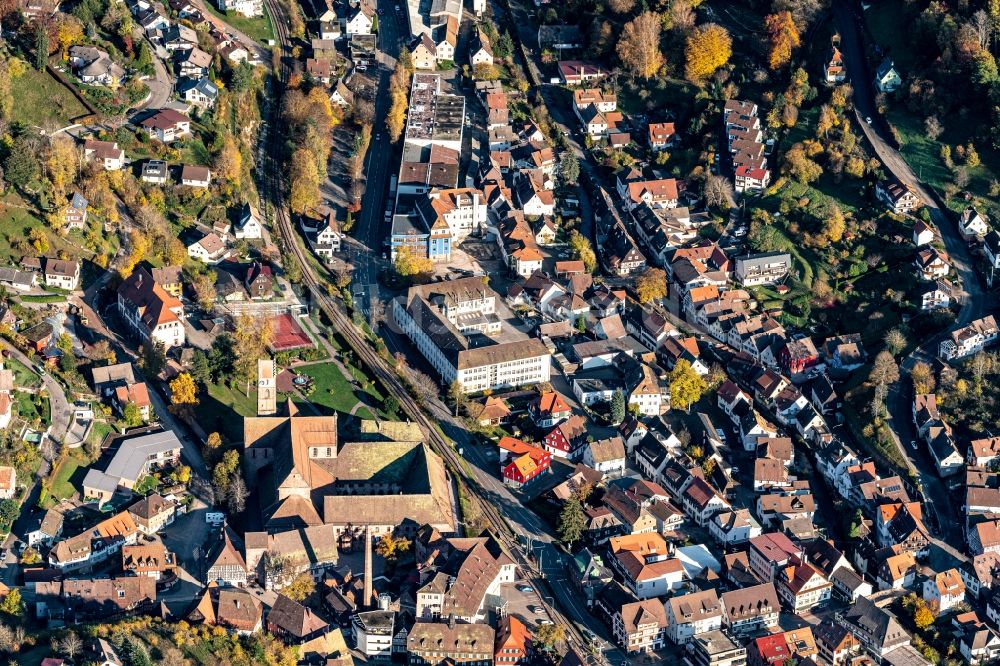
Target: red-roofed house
8,482
167,125
943,591
770,651
798,355
136,394
641,626
801,587
520,462
513,642
150,311
575,72
549,409
661,193
661,135
701,501
633,556
751,178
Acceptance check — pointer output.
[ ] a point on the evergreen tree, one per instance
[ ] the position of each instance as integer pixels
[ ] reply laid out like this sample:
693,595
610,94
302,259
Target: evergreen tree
571,521
618,407
504,48
41,46
570,168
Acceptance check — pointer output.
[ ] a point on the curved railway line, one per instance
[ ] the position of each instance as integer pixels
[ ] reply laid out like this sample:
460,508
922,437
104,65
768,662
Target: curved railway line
273,192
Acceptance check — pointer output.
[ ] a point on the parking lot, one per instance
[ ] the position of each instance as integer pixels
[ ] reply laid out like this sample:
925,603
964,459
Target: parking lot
521,600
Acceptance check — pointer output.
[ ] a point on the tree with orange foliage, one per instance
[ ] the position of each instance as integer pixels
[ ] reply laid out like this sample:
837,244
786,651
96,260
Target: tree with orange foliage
784,38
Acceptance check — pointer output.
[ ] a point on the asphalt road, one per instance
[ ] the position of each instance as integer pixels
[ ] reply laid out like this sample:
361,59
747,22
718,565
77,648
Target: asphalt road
382,161
60,409
974,297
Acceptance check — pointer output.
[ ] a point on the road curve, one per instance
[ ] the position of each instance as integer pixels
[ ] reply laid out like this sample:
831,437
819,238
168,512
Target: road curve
59,406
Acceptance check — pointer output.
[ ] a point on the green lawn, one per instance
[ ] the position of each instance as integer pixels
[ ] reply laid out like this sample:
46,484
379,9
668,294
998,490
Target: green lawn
924,156
28,410
62,486
672,94
194,152
333,391
259,28
223,409
99,431
42,101
15,225
23,377
146,484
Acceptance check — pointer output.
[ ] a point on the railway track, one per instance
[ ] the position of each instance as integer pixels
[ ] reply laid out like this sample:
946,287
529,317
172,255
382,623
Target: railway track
280,220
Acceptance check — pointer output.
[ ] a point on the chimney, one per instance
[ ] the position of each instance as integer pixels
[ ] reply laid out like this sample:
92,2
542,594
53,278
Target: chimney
237,603
368,568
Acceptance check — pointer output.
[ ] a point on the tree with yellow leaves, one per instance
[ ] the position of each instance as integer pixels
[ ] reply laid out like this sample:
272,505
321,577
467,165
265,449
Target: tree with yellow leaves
835,223
175,252
828,119
304,177
399,86
409,264
639,45
70,32
252,337
708,48
651,285
39,240
61,165
183,395
229,164
139,246
783,37
6,94
300,588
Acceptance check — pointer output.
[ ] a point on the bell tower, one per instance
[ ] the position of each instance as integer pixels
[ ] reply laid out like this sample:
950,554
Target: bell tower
267,398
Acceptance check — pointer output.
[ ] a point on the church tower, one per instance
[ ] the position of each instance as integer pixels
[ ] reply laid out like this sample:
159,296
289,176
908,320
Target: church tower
267,397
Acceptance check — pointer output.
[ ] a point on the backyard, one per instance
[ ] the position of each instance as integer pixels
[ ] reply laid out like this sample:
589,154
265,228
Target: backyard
259,29
33,408
61,482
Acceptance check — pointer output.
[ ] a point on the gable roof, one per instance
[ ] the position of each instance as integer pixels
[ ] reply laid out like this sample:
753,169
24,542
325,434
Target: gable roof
294,618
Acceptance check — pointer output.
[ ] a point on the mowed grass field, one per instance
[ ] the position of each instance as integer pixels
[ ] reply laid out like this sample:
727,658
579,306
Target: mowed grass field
40,100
